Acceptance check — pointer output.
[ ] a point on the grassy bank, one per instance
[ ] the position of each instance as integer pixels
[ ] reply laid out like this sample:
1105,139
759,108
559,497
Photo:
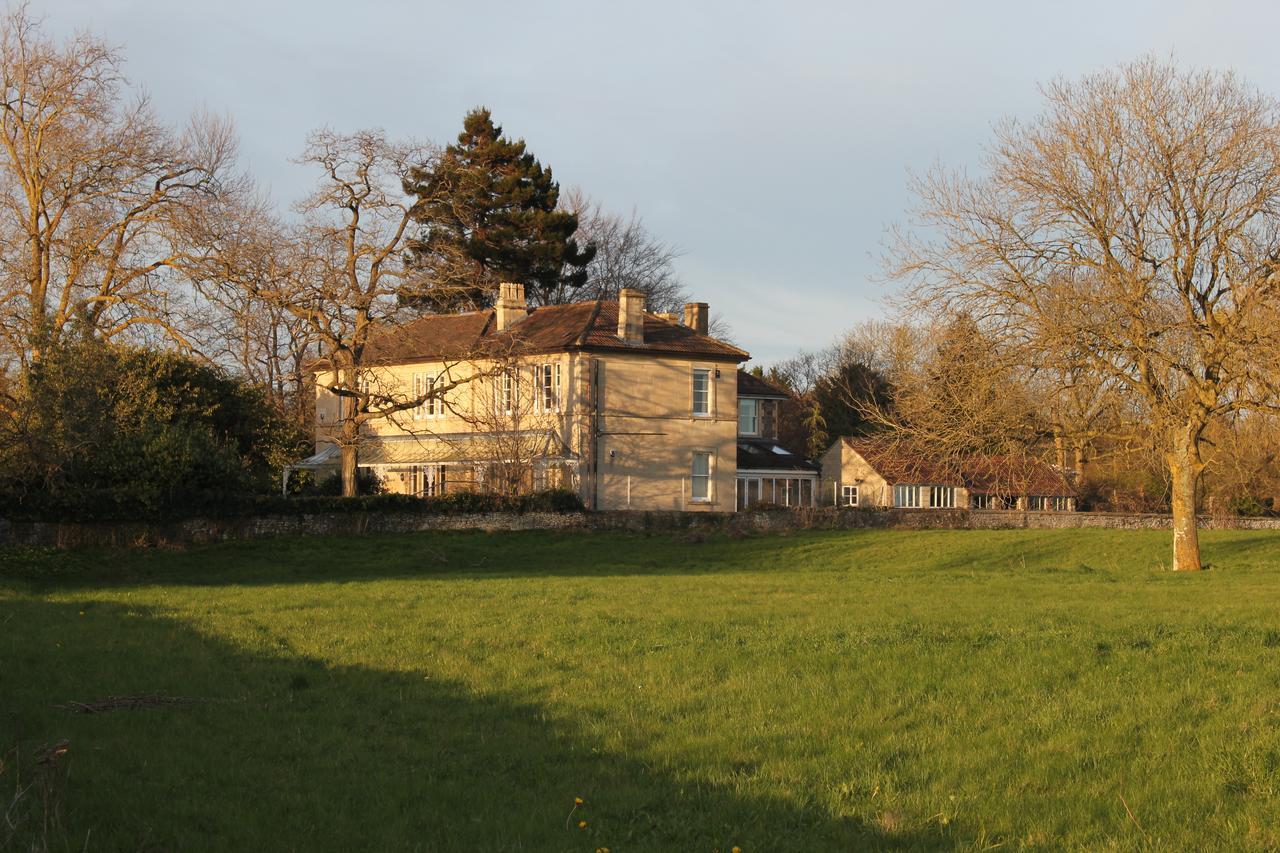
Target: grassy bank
824,691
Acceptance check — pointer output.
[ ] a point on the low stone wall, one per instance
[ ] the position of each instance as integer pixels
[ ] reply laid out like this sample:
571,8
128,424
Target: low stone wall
828,518
197,531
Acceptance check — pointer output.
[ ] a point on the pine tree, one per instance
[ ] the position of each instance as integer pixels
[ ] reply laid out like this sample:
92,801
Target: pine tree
488,214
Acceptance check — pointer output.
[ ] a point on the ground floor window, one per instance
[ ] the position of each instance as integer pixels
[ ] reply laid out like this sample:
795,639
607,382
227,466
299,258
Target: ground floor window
1035,503
906,497
700,476
783,491
942,497
418,480
849,495
981,501
1058,504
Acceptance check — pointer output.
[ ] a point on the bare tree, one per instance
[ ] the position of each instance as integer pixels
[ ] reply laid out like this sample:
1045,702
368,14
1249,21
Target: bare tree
517,412
627,255
99,202
1132,228
346,274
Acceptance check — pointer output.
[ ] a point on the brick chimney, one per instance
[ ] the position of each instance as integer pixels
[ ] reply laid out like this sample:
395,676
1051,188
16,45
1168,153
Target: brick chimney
631,315
511,307
695,316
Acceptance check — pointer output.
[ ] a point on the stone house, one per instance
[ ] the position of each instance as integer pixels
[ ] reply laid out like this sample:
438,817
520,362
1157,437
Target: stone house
877,472
629,408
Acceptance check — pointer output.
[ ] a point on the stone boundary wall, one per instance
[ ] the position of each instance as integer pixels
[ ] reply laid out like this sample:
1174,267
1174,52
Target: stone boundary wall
199,531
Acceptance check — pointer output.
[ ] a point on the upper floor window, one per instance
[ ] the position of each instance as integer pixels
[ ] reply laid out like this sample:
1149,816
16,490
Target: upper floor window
547,380
425,384
702,391
507,391
748,417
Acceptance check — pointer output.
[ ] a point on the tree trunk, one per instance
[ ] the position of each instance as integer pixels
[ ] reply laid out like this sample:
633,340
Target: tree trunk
1185,467
349,409
350,485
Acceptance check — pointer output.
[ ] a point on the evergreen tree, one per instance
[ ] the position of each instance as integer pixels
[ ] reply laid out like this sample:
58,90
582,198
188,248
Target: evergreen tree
488,214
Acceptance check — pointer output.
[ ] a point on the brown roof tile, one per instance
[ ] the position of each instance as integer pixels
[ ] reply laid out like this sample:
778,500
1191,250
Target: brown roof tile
901,462
750,385
577,326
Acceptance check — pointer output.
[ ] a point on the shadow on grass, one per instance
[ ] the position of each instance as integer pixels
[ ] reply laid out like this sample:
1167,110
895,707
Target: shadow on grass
406,556
287,752
576,554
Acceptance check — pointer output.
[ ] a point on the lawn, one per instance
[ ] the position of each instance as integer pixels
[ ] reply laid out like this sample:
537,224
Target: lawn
823,691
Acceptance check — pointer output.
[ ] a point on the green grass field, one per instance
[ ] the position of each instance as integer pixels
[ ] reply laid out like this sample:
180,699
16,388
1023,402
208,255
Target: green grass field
824,691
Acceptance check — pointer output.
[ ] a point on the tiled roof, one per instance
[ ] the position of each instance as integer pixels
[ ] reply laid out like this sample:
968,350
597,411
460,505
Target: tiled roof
1015,475
553,328
750,385
761,454
900,462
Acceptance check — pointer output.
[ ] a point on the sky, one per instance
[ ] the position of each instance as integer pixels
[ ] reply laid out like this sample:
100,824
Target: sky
771,143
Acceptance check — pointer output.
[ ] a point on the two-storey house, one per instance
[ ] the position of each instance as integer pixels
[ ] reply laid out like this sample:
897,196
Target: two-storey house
629,408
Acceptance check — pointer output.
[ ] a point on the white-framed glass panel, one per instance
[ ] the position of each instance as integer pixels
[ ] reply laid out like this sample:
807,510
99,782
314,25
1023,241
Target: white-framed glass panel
702,391
748,417
1035,503
942,497
547,384
849,495
423,385
907,497
700,476
505,398
748,492
806,492
1060,504
981,501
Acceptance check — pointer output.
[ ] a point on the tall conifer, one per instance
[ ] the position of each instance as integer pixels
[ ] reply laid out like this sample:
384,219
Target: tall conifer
488,214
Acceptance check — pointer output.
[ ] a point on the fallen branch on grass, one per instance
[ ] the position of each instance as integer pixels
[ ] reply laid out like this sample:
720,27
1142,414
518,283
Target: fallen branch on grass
131,703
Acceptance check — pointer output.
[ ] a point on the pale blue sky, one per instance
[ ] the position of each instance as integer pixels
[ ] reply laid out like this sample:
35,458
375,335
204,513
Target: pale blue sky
771,142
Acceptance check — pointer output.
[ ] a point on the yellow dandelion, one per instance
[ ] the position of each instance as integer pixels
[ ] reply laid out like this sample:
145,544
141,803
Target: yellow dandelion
577,801
736,850
582,824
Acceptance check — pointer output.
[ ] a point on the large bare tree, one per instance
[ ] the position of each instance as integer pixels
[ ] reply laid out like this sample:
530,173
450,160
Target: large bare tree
1132,229
346,273
99,202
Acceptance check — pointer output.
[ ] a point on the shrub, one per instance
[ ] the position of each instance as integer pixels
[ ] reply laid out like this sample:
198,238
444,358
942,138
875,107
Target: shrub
101,432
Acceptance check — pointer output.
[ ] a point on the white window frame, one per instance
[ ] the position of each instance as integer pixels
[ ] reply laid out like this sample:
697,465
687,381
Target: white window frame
942,497
548,387
506,394
754,405
432,407
848,495
710,391
707,479
906,496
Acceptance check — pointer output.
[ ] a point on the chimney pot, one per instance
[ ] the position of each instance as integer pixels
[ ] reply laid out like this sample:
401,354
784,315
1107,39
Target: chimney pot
631,315
511,307
695,316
